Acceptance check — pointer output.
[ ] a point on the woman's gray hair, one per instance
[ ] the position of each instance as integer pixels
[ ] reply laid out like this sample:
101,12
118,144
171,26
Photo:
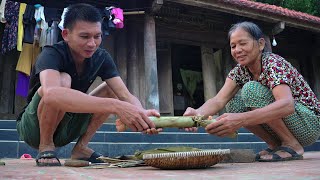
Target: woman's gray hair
251,28
254,30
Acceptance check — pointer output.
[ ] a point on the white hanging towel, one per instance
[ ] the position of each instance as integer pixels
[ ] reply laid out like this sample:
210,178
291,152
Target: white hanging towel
60,25
2,7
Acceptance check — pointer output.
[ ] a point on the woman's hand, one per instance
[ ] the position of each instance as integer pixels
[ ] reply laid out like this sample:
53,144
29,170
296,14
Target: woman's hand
152,112
191,112
225,125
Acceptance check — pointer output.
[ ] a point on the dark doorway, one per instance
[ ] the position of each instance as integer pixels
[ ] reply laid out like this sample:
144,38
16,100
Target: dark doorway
186,77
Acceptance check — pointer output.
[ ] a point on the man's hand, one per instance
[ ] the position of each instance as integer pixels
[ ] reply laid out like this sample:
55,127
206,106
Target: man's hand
225,125
135,117
137,122
152,112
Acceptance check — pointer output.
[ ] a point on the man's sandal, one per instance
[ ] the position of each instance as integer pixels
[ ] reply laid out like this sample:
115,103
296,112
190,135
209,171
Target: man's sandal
93,158
47,155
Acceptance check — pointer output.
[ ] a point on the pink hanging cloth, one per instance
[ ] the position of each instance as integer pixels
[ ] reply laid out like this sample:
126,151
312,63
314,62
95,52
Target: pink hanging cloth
118,17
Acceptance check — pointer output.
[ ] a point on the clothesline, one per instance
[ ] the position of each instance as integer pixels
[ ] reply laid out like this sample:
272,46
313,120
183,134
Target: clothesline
65,3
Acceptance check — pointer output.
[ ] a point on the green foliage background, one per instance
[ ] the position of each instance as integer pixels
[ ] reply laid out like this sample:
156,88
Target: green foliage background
308,6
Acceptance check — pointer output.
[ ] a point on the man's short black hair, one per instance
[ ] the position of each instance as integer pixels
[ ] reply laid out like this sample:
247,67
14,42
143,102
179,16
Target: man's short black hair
81,12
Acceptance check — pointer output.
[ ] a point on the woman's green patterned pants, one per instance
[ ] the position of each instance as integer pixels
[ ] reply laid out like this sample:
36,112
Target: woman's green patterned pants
303,123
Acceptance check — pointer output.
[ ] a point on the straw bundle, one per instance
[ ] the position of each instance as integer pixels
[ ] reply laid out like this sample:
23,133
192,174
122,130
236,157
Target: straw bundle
186,160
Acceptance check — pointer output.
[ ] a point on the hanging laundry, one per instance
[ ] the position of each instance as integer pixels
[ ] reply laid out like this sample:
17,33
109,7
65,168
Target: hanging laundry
112,19
26,60
28,57
65,3
40,23
2,7
60,25
117,13
9,39
43,34
52,14
52,34
29,24
20,26
22,84
107,25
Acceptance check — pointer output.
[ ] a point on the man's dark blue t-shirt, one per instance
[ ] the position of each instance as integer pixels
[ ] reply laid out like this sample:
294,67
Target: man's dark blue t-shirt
58,57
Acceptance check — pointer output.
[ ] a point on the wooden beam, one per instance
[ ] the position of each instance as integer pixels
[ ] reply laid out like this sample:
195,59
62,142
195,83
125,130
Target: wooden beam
248,12
134,13
216,39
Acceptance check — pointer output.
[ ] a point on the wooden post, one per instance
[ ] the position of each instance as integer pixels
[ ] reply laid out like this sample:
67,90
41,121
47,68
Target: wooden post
208,72
8,80
315,67
268,47
316,75
133,63
220,79
228,62
150,61
305,67
165,81
109,45
121,55
142,76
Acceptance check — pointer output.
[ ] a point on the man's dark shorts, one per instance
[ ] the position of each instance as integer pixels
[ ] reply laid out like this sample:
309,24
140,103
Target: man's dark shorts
72,126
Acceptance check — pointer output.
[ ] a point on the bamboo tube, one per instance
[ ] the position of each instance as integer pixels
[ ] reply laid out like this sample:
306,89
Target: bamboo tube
173,122
176,122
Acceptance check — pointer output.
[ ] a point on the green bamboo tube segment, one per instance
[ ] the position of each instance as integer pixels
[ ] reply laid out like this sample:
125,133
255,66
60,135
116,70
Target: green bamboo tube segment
173,122
180,121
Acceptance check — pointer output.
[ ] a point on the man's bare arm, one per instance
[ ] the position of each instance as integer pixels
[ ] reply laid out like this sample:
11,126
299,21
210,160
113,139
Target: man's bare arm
70,100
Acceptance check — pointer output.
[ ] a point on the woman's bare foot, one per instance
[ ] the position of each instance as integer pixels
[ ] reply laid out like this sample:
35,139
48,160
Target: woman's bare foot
265,151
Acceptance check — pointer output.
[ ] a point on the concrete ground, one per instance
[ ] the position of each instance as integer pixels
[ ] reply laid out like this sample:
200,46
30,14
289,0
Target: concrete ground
309,168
